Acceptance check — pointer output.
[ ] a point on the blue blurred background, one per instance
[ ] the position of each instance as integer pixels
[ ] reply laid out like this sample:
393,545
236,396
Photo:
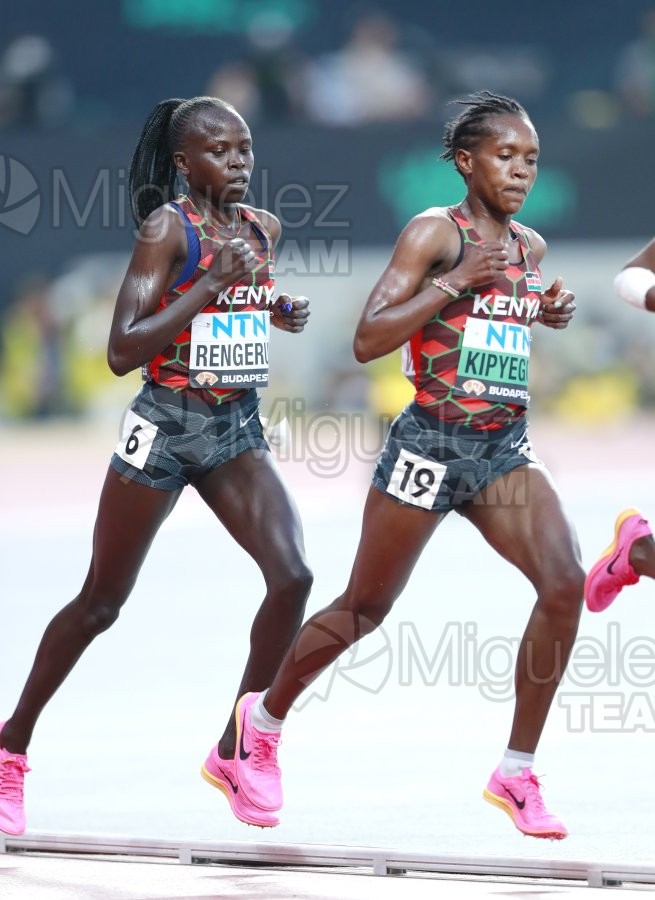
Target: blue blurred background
347,103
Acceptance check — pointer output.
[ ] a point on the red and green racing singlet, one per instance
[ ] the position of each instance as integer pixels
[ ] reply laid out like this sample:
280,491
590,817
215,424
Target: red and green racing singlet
224,351
471,360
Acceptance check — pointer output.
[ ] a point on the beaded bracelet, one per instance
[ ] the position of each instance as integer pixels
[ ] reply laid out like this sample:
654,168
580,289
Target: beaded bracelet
445,287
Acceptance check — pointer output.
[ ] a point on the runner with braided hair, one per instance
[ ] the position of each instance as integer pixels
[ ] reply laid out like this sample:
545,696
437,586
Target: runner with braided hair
463,287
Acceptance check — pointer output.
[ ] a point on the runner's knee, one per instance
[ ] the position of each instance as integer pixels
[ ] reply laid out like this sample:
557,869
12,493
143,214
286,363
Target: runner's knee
101,611
100,618
369,609
294,586
564,592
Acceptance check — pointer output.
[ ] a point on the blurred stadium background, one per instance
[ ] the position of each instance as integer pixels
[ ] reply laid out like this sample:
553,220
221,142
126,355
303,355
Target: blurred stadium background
346,102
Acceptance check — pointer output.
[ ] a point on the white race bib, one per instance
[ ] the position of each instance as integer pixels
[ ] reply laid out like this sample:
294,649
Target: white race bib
229,349
416,480
494,361
136,442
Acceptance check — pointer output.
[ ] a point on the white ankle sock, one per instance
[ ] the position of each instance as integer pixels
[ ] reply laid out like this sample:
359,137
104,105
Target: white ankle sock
262,719
514,761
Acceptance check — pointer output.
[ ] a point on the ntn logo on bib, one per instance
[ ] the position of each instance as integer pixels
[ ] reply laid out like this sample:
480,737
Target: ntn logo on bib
230,348
503,337
494,361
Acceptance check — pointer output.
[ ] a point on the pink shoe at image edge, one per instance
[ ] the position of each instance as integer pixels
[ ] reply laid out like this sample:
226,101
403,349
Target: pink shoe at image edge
612,571
13,767
220,773
520,797
255,760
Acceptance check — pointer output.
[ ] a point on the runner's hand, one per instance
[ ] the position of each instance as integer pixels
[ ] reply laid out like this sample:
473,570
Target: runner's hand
557,306
481,264
234,260
290,313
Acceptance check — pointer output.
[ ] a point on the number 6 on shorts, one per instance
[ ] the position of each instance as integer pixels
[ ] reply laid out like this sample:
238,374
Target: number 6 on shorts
135,444
416,480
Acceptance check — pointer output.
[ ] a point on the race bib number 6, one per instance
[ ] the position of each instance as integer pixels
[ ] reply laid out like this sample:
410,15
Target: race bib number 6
416,480
136,442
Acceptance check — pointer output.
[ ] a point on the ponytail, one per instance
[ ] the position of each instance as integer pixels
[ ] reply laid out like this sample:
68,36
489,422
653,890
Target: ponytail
153,173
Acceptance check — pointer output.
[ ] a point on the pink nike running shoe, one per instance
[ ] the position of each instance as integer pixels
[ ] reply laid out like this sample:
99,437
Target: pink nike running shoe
220,773
13,767
612,572
255,760
520,797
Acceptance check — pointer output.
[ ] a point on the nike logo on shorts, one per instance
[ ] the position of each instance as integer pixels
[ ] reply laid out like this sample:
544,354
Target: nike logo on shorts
243,422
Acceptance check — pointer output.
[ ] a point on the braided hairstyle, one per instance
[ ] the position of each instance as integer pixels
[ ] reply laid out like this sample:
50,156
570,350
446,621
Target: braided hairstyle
466,130
153,174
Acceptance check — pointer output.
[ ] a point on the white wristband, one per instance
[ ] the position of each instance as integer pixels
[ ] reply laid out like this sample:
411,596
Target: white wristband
632,285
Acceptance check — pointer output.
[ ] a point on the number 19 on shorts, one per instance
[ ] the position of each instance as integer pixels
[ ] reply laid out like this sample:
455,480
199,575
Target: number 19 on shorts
416,480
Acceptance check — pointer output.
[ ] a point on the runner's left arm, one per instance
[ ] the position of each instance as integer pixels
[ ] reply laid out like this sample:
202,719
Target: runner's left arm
287,313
